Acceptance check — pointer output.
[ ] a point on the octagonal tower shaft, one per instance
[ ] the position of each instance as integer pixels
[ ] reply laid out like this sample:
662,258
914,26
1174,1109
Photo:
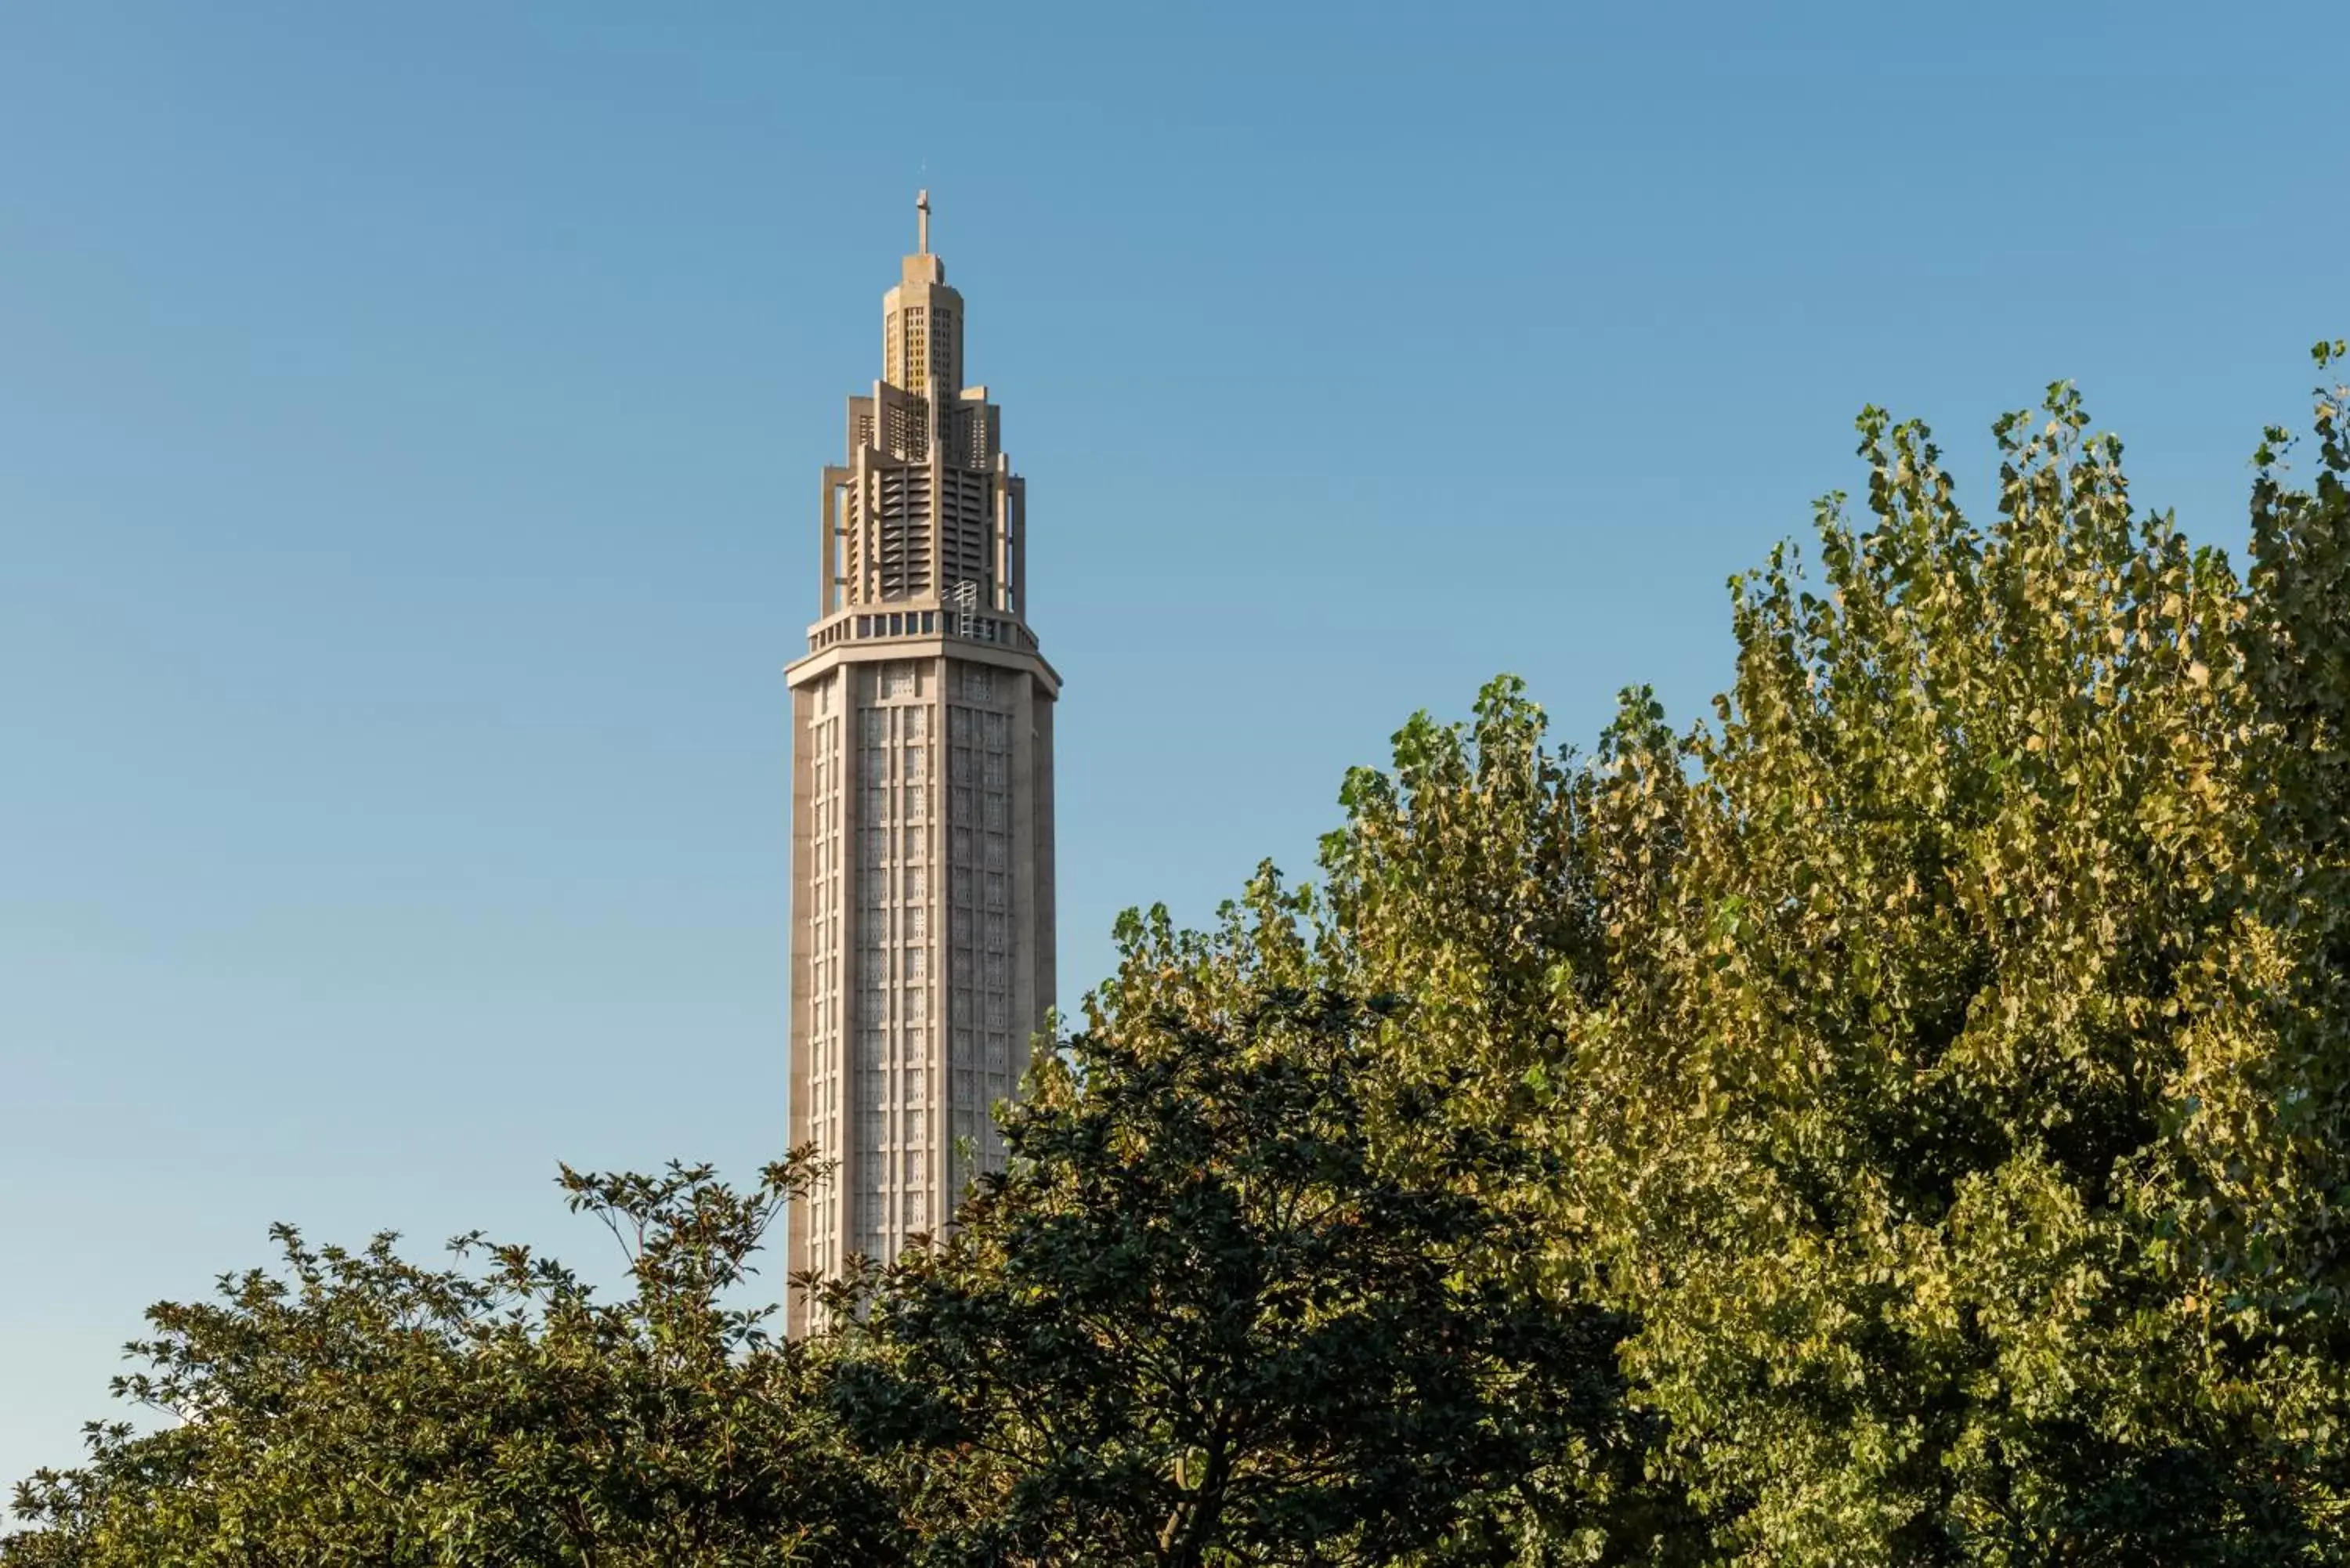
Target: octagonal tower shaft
921,920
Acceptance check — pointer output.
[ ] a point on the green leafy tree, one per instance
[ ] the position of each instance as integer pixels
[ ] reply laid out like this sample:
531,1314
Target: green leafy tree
356,1407
1200,1321
1950,1039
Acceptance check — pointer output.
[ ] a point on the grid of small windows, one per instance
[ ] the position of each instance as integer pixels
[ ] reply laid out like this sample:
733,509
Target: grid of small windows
823,978
894,1144
980,1059
942,339
917,358
908,429
974,444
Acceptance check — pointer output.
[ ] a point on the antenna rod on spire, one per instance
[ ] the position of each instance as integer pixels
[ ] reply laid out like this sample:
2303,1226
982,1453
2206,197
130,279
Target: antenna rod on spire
923,222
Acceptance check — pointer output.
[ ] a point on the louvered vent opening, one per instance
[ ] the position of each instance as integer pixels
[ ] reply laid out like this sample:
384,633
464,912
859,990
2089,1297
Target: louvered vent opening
856,565
966,532
903,547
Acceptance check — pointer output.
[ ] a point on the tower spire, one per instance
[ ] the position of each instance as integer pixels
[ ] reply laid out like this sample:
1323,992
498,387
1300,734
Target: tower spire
922,907
921,222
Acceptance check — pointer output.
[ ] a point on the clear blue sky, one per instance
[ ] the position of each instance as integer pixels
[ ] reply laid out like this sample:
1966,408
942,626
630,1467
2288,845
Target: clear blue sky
409,426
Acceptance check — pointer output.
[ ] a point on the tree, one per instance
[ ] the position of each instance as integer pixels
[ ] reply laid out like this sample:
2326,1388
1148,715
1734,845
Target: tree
360,1408
1951,1039
1199,1321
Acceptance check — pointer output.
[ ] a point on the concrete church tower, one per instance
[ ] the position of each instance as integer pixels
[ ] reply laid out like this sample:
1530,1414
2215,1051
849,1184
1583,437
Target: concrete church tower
921,956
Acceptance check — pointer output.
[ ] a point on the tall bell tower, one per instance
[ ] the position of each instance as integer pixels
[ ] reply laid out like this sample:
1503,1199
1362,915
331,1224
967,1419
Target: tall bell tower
921,955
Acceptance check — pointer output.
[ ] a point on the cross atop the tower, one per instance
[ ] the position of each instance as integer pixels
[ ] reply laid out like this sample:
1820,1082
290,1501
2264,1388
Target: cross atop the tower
923,222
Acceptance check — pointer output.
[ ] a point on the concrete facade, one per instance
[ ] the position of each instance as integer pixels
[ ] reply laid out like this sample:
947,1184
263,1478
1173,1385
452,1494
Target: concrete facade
921,918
